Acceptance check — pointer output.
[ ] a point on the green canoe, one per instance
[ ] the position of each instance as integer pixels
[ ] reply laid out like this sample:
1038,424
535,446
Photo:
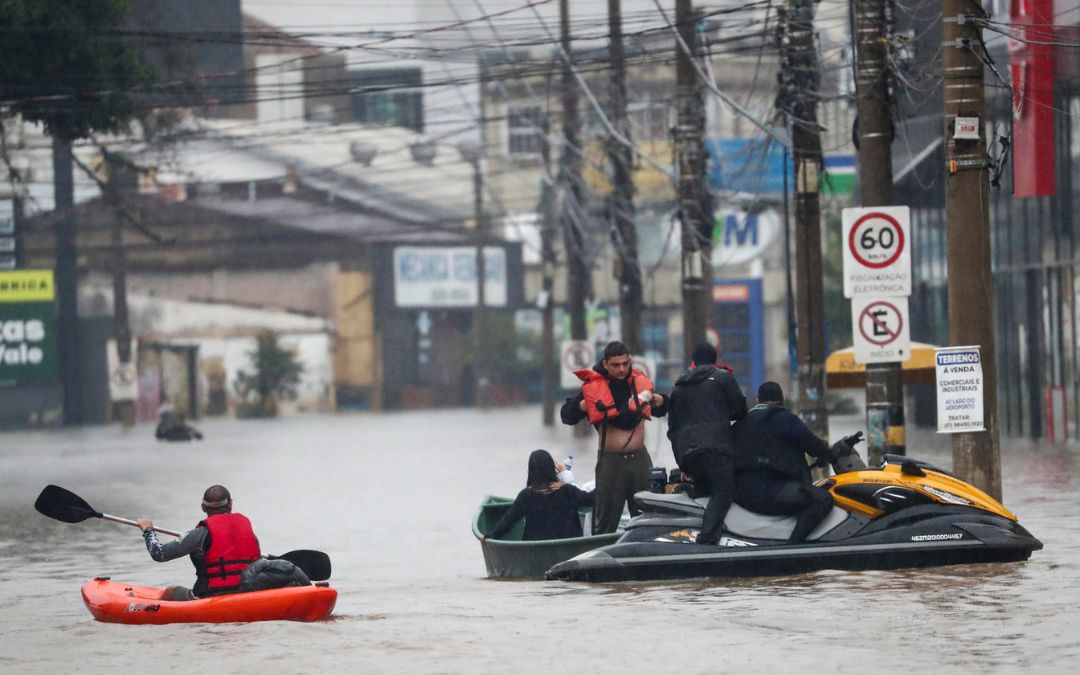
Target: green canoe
512,557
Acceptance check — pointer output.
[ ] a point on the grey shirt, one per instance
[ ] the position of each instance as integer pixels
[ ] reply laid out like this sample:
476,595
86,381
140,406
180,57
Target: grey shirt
192,542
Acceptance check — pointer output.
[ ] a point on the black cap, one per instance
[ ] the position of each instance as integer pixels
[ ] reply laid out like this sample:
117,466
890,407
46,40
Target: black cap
703,353
770,392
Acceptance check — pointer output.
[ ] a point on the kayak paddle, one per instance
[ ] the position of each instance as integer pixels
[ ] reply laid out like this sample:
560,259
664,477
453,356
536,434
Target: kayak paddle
68,507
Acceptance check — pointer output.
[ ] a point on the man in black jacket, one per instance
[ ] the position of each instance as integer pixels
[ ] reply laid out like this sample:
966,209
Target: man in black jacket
771,445
704,403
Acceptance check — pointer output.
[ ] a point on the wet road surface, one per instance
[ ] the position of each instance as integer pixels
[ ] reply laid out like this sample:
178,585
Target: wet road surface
391,497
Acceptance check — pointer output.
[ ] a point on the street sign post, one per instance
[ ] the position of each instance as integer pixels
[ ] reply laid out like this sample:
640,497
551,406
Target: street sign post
877,252
575,355
881,330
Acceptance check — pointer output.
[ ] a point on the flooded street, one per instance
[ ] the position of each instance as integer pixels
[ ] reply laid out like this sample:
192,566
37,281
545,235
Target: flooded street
390,498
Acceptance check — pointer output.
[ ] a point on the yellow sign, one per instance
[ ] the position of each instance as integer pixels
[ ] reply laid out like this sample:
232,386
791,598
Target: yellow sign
27,286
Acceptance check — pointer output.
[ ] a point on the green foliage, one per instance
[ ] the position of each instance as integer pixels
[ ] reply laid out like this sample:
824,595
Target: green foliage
277,373
66,66
837,307
509,355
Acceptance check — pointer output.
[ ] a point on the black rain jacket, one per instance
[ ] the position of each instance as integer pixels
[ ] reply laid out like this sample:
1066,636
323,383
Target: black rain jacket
703,404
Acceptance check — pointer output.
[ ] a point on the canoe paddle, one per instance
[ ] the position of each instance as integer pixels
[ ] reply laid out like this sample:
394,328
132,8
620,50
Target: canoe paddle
68,507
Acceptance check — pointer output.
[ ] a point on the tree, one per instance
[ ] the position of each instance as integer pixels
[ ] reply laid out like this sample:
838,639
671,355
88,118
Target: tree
66,66
277,373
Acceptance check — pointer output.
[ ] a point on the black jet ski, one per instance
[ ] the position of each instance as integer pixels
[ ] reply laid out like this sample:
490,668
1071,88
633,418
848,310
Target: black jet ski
905,513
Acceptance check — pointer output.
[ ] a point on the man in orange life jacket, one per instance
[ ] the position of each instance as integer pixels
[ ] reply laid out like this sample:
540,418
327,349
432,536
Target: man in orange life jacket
617,400
220,547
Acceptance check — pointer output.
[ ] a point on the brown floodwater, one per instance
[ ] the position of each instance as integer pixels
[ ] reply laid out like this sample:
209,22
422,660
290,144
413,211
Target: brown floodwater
390,498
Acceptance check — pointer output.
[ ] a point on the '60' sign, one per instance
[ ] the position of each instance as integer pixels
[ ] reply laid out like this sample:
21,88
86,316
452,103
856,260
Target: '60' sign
877,258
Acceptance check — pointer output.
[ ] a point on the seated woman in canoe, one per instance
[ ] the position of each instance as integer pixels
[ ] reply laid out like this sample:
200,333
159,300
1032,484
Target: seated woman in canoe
550,508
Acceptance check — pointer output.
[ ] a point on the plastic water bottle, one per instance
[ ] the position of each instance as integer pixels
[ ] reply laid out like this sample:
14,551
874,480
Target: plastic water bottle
566,475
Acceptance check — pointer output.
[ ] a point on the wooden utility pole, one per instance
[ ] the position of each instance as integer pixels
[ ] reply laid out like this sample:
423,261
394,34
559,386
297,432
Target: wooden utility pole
976,456
884,388
67,281
549,362
800,87
577,271
695,204
624,234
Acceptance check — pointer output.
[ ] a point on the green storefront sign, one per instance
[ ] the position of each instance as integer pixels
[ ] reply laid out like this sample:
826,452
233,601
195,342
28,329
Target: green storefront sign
27,332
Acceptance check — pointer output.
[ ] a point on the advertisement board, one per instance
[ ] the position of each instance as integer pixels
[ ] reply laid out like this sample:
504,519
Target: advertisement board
27,327
446,276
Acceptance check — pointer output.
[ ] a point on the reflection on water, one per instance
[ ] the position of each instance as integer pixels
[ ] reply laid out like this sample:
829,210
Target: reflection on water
391,497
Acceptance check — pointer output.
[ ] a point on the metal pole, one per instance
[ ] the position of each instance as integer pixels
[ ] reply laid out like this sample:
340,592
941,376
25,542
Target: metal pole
884,387
123,409
480,318
976,456
547,254
695,204
67,281
628,269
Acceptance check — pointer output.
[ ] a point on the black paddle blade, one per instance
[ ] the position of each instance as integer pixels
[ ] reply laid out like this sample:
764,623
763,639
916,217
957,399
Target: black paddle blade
63,505
315,564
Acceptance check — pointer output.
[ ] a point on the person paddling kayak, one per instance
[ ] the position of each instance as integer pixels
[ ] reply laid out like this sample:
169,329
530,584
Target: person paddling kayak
221,546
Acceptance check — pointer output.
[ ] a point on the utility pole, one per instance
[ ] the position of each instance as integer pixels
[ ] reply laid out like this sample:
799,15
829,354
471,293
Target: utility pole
624,234
976,455
577,272
480,317
884,387
123,409
548,261
798,98
695,204
67,281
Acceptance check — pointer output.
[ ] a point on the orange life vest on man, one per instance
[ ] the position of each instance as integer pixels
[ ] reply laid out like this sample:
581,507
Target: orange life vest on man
233,546
600,404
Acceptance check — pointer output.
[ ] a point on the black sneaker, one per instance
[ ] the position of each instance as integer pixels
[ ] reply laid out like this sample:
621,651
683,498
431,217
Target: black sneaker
706,540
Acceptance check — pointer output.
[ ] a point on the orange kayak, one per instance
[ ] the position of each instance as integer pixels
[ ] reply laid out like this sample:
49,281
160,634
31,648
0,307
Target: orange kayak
116,602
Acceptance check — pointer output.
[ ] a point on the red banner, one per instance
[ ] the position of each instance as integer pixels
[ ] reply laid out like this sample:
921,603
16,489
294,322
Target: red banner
1033,97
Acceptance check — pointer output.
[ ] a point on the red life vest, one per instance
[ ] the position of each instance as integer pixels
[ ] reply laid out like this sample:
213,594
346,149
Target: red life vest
233,547
600,404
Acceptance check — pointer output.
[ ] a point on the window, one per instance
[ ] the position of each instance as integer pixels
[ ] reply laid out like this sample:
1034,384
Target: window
524,131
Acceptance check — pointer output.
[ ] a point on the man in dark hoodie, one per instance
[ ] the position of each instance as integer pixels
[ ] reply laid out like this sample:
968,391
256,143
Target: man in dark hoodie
771,445
617,399
704,403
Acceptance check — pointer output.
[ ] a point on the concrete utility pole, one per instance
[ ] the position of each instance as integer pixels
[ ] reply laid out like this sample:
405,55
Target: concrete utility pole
695,203
480,317
976,456
67,282
122,409
549,362
624,234
800,87
884,388
577,271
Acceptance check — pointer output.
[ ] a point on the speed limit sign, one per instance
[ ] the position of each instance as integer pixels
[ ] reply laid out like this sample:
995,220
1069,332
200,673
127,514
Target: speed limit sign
877,252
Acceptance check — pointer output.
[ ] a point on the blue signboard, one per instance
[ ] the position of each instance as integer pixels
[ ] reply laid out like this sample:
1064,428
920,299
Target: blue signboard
746,165
739,325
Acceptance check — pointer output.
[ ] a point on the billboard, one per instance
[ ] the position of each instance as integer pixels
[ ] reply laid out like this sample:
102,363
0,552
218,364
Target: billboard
27,327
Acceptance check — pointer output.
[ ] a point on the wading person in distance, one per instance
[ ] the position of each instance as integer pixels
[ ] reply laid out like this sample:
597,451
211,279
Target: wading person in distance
617,399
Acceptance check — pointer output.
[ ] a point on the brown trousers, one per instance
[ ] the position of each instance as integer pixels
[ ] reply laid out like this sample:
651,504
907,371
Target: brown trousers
618,477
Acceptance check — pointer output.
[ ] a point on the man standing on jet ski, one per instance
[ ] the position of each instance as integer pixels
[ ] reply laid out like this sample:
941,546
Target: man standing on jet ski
773,477
704,403
617,399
